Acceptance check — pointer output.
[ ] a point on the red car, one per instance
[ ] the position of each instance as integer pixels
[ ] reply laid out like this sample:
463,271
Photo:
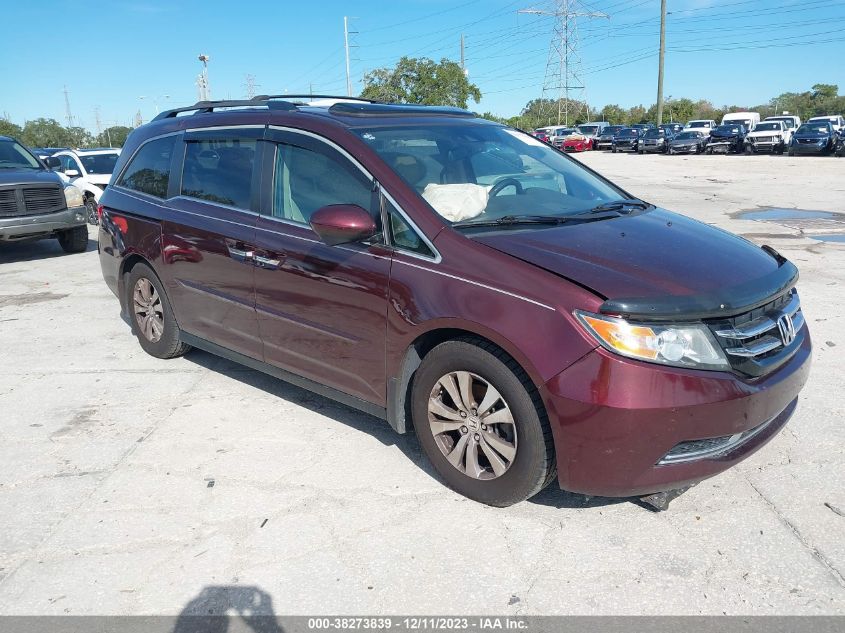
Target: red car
577,143
529,320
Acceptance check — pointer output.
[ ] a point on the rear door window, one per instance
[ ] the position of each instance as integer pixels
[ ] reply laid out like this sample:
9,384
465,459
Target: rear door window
219,171
149,170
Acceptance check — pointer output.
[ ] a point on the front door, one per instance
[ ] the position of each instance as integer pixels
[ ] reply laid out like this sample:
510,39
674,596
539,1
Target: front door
322,310
208,242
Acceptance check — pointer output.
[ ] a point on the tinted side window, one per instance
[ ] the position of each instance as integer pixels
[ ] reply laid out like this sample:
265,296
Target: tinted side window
306,180
219,171
149,170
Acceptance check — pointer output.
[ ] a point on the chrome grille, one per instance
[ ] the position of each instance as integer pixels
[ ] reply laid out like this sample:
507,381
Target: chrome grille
760,340
8,202
43,199
22,201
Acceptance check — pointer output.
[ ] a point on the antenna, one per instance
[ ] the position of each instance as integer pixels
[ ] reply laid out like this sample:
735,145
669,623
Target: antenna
68,115
563,68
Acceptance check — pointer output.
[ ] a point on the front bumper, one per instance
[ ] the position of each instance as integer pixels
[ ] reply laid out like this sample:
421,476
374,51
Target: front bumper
651,149
684,149
625,147
614,419
37,226
808,148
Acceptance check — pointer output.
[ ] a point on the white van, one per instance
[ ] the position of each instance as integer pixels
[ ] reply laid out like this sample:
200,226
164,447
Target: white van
748,119
792,122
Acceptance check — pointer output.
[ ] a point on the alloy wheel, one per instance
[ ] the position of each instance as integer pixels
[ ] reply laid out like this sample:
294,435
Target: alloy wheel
149,314
472,425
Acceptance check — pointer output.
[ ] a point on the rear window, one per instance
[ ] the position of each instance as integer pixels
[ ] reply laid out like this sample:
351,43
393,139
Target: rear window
99,163
149,170
219,171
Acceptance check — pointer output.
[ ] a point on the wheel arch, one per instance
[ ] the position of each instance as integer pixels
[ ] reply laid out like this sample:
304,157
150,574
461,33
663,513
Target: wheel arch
401,382
129,262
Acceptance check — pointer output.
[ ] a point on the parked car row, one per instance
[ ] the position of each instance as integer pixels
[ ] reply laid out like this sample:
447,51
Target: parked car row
88,169
738,132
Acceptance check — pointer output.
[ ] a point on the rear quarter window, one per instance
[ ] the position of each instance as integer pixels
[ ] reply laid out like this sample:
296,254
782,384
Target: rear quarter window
149,170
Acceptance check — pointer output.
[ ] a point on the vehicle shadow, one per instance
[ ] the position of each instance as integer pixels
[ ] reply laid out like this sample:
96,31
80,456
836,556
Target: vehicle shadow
34,250
225,608
358,420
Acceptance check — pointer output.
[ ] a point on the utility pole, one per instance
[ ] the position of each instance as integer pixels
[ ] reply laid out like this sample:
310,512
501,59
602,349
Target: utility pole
202,80
250,86
97,122
68,115
563,68
463,61
346,47
660,62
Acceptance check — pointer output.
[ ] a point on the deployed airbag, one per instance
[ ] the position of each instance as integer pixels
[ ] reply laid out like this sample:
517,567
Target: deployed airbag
457,202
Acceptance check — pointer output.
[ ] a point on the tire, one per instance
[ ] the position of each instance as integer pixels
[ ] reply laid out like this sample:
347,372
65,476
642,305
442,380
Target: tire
91,211
708,150
748,150
160,338
74,240
527,455
612,150
791,152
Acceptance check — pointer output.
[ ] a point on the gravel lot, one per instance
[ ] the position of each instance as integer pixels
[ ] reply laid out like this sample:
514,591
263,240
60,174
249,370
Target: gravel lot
130,485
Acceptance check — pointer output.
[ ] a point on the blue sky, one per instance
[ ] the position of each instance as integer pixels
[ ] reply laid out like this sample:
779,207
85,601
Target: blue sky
109,54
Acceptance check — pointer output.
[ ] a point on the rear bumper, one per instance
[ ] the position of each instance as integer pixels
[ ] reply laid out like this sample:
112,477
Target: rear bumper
37,226
614,419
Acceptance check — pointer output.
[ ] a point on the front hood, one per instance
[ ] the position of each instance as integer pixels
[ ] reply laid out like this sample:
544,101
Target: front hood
651,255
28,177
723,135
98,179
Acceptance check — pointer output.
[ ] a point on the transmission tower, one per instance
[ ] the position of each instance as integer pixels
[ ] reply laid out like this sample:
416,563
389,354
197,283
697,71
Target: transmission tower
68,115
97,121
250,86
563,69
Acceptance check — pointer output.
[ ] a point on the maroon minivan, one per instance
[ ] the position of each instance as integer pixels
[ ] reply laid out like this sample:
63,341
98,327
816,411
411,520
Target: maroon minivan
529,319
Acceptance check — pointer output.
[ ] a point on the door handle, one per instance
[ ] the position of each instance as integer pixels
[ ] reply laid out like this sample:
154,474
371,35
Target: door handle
269,263
239,254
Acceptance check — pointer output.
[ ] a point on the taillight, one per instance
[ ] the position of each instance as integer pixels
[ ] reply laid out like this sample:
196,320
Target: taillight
121,224
100,212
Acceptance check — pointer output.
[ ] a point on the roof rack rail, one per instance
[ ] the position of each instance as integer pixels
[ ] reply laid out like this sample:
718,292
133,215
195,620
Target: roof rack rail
312,97
395,109
210,106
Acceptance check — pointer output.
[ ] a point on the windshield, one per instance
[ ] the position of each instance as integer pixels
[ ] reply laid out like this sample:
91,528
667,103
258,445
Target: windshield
467,171
727,129
588,130
790,122
688,135
744,122
610,131
99,163
814,128
14,156
564,131
697,124
654,133
628,132
767,127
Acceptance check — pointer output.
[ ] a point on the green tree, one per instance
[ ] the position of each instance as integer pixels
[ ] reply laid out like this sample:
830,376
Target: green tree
114,136
45,133
7,128
421,81
614,114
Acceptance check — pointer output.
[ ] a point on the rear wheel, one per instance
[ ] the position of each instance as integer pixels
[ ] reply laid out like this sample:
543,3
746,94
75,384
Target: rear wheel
74,240
151,315
481,423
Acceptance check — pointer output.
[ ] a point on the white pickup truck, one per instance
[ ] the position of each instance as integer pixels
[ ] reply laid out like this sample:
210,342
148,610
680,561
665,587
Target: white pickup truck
771,137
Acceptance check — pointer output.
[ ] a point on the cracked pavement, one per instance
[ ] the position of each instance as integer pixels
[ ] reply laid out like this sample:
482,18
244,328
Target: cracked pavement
128,485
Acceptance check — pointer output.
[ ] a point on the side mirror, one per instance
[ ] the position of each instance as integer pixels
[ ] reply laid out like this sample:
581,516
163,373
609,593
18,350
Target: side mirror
52,162
342,224
71,173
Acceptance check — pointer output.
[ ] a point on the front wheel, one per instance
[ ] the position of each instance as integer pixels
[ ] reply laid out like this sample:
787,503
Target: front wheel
481,423
151,315
91,211
74,240
791,152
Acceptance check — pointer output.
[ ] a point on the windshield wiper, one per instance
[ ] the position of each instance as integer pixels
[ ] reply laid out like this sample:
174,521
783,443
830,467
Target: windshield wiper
510,220
622,206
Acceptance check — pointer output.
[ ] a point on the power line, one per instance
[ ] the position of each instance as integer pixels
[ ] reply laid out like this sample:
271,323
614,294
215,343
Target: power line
563,66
